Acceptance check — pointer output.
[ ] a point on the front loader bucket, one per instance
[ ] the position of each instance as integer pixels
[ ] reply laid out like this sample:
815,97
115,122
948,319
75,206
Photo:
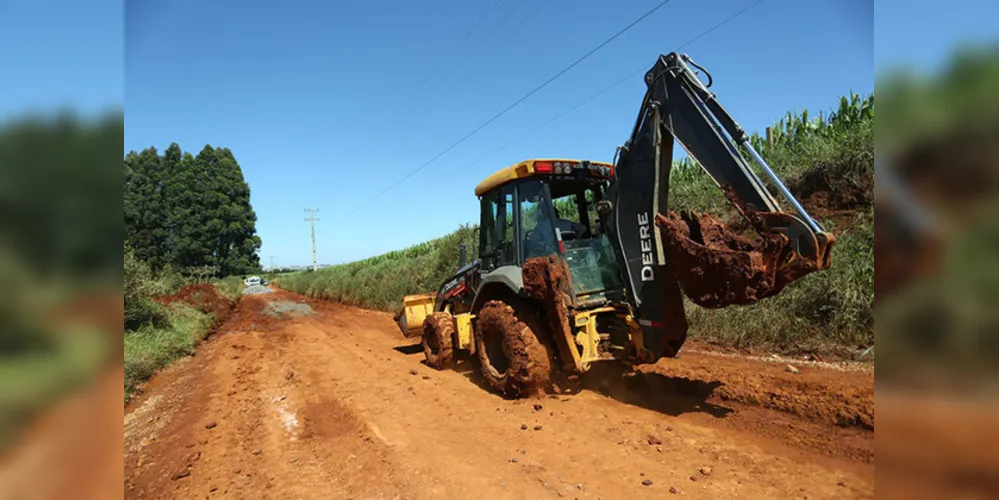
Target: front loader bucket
415,308
716,267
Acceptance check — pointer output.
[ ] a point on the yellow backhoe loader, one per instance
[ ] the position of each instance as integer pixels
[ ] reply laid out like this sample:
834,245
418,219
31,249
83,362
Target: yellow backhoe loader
581,261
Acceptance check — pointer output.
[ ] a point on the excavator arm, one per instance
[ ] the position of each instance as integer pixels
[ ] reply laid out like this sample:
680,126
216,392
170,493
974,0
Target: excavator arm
665,255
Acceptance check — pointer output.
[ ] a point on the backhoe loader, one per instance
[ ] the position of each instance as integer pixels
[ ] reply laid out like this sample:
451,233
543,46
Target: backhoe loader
581,261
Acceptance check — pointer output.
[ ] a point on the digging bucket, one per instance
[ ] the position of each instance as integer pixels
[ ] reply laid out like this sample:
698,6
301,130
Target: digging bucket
716,267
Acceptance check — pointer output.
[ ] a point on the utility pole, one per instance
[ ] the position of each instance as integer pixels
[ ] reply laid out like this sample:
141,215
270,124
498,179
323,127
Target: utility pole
312,222
272,263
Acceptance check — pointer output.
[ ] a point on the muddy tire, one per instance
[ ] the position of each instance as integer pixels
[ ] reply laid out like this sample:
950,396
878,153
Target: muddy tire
514,352
438,332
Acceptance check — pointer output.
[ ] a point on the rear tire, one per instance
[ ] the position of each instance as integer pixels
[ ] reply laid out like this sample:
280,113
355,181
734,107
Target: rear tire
438,331
514,353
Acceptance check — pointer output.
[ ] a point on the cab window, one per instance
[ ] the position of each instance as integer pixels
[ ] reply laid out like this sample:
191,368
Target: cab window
497,245
537,234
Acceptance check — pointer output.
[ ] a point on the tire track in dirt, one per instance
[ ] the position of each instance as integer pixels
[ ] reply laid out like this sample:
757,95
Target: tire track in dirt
371,421
238,423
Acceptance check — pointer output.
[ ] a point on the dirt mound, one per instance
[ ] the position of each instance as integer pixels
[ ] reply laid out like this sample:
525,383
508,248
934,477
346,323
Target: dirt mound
814,394
837,188
203,297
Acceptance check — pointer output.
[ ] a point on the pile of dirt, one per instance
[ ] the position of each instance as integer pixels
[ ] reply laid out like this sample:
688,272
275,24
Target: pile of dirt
813,394
255,314
832,190
203,297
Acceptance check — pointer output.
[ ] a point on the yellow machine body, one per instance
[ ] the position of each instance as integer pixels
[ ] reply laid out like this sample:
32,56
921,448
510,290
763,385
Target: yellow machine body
415,308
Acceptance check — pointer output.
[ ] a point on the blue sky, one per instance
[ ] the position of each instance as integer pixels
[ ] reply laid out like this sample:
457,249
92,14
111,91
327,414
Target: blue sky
323,106
61,54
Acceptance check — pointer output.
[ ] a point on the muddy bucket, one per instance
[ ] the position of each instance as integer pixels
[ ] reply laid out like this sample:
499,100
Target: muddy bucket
716,267
415,308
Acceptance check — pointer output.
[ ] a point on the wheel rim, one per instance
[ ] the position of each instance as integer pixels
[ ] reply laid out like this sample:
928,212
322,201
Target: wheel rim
495,352
433,344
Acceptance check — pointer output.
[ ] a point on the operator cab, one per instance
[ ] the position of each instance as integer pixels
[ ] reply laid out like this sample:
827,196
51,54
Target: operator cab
542,207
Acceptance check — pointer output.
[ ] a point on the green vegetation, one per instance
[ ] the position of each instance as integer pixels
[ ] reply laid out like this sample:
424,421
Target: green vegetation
150,348
940,135
188,219
58,248
190,213
230,287
156,334
380,282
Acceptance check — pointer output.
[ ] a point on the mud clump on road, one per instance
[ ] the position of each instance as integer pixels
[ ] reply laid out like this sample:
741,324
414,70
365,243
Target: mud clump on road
203,297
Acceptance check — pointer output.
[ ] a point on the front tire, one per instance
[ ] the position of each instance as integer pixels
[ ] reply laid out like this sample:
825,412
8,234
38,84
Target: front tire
513,350
438,331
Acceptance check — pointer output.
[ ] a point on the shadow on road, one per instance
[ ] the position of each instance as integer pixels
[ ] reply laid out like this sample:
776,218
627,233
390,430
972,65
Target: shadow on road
409,349
653,391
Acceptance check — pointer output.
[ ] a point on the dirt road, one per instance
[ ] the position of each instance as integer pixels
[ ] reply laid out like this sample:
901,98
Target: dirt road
302,399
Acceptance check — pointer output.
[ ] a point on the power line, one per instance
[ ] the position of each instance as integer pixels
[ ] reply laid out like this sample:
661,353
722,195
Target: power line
434,97
515,103
510,35
475,64
613,85
408,101
561,115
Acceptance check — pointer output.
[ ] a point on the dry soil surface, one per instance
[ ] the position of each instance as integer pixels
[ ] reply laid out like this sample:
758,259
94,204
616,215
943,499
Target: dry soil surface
328,401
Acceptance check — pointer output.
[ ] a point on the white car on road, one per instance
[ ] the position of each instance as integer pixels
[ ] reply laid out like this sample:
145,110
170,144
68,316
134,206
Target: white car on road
252,281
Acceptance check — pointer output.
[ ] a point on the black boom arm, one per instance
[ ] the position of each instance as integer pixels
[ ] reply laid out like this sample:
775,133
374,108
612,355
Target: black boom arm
677,105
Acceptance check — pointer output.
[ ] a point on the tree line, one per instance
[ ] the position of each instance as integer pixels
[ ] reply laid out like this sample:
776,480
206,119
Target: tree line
190,213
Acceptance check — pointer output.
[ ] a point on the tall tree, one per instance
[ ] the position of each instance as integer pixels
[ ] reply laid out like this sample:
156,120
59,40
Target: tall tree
190,211
58,211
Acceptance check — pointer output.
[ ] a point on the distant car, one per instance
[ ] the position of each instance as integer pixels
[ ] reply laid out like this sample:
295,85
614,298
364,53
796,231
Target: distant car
252,281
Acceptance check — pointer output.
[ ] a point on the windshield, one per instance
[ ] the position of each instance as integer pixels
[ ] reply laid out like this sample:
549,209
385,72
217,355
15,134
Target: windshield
587,250
592,264
537,232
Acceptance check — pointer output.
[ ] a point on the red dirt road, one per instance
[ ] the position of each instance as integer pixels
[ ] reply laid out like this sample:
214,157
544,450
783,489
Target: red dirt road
337,405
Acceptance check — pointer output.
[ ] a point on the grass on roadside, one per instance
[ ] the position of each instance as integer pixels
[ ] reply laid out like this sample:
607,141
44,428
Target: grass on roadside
151,348
31,380
230,287
380,282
